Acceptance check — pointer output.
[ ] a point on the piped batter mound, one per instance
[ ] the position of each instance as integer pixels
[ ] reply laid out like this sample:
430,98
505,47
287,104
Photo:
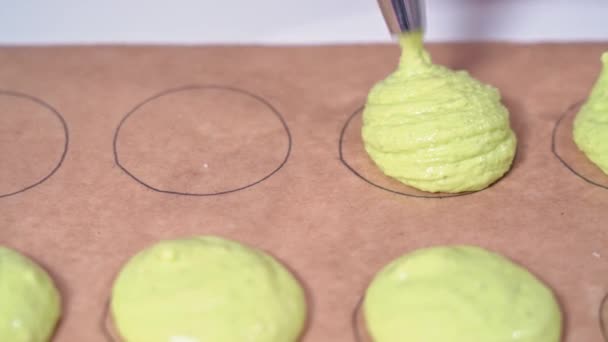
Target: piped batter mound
591,123
459,294
30,304
435,129
206,289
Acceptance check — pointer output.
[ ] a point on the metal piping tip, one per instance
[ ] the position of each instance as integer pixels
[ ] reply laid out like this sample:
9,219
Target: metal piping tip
403,15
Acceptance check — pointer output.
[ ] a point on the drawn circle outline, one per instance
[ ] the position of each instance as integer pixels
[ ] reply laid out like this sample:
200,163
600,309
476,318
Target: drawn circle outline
603,327
66,135
357,329
352,169
556,154
240,91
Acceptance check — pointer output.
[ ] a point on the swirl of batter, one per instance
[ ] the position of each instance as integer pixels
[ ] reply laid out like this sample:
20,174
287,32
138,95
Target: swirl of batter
436,129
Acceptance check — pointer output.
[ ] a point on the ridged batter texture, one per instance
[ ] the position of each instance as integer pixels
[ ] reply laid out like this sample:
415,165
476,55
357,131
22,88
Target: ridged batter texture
30,304
206,289
591,123
459,294
436,129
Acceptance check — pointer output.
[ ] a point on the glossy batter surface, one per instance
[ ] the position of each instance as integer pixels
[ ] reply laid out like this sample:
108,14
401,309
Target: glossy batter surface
206,289
436,129
30,304
459,294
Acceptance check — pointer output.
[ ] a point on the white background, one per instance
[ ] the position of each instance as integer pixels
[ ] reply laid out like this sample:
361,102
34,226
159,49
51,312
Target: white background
290,21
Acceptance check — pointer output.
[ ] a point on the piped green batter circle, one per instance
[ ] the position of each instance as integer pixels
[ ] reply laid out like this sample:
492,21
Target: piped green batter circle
206,289
591,123
459,294
435,129
30,304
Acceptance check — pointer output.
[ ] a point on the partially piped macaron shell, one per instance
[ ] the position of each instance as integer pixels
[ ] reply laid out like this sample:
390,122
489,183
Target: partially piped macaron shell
206,289
435,129
459,294
591,123
30,304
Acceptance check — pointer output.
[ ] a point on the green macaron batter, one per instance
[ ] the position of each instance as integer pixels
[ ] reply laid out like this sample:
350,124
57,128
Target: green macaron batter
459,294
30,304
591,123
206,289
436,129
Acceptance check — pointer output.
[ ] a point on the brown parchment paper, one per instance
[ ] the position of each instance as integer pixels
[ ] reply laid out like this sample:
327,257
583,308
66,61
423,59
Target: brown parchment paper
332,228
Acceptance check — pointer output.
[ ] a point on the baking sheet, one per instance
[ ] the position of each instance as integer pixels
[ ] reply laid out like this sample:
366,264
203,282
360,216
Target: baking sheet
244,142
